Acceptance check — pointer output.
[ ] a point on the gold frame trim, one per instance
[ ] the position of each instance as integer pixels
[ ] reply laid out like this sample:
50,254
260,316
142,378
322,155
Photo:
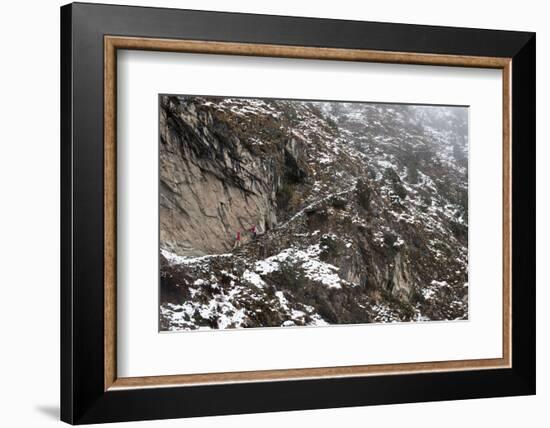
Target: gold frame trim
113,43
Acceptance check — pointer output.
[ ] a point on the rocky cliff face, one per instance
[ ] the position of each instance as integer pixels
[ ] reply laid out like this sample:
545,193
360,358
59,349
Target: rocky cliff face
361,211
211,184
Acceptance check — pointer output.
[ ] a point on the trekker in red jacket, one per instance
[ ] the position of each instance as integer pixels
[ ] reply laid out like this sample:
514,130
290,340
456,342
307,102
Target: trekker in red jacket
237,240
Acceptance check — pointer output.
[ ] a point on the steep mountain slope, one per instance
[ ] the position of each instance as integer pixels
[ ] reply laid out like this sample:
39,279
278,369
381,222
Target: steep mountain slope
361,211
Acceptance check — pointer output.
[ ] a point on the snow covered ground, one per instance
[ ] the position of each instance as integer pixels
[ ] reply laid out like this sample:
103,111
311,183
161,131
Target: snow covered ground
375,232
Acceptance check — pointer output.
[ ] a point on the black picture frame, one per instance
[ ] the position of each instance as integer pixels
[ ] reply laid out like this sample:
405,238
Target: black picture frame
83,398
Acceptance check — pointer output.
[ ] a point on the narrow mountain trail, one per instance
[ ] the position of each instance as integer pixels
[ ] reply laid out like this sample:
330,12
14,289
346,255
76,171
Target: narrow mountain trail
317,203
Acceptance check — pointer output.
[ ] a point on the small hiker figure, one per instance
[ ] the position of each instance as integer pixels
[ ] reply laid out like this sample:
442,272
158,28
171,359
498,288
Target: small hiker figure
237,240
254,232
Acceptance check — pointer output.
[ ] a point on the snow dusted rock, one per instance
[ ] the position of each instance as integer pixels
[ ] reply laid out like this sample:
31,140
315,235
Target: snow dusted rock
362,212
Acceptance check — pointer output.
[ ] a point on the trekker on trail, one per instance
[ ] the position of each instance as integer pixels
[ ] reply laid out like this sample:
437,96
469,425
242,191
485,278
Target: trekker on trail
237,240
254,232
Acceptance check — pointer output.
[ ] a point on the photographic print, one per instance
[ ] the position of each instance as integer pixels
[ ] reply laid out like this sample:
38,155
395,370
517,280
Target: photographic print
287,213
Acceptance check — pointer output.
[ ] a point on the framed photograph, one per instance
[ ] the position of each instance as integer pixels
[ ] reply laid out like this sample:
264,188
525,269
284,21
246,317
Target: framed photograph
265,213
